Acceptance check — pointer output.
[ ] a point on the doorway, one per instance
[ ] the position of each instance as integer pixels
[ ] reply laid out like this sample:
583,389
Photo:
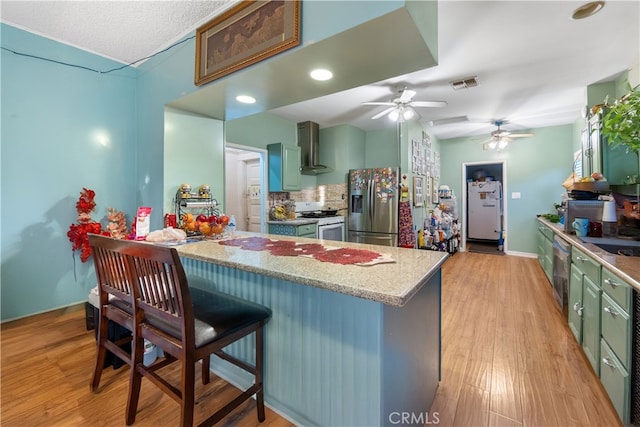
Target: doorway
245,181
492,240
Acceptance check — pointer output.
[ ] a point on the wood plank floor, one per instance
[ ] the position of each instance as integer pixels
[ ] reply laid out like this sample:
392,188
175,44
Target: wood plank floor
508,360
47,363
508,356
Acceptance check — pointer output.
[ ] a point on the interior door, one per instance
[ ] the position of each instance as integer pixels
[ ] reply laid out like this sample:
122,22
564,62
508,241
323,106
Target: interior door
253,195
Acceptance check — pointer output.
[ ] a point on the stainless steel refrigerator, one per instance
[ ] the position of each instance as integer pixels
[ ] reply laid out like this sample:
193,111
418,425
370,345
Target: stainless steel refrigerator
373,206
485,210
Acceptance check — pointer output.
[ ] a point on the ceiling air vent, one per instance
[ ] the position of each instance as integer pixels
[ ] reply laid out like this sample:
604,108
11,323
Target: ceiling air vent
464,83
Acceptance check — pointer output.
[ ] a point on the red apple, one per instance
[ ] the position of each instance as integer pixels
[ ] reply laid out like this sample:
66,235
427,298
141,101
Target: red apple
213,219
224,219
201,218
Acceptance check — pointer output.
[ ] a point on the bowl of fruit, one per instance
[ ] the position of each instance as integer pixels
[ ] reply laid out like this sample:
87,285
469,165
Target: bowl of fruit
212,226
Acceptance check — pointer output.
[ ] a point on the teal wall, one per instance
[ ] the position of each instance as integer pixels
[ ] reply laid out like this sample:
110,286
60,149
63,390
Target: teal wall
63,129
193,153
381,148
53,117
535,167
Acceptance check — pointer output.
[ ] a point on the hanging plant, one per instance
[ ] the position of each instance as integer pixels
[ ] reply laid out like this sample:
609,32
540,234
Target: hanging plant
621,123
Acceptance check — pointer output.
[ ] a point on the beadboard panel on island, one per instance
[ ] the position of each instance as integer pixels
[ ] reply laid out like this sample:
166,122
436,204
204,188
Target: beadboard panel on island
331,358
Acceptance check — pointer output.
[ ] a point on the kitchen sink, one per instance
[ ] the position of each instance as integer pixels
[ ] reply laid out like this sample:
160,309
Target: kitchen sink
615,246
620,249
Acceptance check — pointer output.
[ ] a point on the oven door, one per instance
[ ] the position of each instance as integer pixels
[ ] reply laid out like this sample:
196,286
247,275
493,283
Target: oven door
331,232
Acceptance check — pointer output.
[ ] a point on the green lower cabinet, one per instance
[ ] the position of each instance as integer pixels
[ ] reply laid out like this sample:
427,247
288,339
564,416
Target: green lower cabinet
616,329
306,230
575,303
591,297
545,250
617,381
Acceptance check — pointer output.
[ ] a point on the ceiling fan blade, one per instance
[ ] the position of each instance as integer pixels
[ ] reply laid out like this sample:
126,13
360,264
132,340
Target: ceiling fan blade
382,113
428,104
407,95
379,103
520,135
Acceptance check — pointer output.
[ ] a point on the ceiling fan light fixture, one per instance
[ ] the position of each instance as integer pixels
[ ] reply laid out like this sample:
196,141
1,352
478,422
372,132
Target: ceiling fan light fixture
408,114
395,115
493,144
502,143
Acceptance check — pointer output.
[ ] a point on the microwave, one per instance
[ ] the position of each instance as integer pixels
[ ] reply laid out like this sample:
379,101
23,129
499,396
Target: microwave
590,209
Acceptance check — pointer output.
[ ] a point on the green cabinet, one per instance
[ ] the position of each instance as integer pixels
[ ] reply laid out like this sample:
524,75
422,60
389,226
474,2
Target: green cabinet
302,230
545,250
585,297
284,168
616,343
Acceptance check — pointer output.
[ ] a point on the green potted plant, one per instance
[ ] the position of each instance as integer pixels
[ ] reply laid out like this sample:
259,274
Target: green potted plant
621,123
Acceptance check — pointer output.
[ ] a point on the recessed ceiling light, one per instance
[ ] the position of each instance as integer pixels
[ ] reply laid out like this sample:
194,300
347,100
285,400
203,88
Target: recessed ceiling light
587,10
321,74
246,99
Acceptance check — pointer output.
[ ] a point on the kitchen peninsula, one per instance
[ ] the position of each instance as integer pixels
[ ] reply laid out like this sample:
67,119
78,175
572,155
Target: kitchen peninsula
347,344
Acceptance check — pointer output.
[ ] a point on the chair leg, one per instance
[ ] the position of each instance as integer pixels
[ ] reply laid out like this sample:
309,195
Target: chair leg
188,383
206,369
135,379
103,335
259,373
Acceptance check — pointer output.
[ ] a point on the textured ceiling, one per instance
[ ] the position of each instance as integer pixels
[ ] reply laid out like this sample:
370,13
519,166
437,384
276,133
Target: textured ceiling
125,31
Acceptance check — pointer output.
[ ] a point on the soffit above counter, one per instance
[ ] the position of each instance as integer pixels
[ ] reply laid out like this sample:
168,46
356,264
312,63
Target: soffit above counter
384,47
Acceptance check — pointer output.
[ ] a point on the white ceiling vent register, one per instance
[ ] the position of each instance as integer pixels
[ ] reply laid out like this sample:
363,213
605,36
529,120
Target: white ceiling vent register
464,83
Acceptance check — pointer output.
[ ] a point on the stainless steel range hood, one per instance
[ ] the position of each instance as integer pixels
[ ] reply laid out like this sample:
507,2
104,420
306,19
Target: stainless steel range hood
308,141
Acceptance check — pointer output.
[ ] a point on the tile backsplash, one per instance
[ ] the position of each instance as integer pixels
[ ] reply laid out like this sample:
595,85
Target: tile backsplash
331,195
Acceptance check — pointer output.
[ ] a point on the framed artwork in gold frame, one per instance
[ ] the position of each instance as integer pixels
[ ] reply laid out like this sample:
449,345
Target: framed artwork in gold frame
244,35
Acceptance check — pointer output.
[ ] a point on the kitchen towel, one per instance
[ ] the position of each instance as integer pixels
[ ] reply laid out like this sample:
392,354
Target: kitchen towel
406,236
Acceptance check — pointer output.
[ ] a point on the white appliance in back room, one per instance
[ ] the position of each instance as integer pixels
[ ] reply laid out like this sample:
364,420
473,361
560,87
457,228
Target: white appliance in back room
484,200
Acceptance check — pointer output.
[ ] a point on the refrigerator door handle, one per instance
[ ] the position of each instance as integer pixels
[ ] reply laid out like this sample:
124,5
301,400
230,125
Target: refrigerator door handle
370,190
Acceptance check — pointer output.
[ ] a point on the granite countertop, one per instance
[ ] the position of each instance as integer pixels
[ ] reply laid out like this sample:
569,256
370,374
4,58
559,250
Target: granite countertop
388,283
626,267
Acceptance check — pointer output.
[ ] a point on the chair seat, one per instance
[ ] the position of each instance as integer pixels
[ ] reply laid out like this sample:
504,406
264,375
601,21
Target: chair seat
217,315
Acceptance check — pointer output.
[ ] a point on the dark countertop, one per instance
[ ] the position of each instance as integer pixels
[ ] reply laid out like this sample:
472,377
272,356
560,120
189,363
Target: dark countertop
626,267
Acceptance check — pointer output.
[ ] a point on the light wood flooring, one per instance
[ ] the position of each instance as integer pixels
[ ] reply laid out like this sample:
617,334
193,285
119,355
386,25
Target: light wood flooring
508,356
508,360
47,363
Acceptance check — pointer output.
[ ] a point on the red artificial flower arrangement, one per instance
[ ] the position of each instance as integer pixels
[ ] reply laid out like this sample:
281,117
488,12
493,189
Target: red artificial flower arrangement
78,232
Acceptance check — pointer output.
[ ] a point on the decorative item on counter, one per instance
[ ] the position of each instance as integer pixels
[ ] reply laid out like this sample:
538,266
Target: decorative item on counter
117,226
444,192
143,222
185,191
77,233
170,220
204,191
168,234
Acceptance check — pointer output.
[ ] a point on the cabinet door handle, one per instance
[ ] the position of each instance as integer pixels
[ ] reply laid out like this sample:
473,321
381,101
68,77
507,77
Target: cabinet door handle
611,283
577,308
609,363
612,312
579,258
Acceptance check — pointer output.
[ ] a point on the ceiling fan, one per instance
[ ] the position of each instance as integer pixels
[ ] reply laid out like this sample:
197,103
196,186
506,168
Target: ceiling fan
403,108
501,138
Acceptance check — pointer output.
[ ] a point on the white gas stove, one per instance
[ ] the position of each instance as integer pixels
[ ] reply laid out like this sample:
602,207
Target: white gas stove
330,225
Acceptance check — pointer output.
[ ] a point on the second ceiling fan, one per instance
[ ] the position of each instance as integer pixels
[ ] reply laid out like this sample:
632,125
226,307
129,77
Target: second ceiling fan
403,108
501,138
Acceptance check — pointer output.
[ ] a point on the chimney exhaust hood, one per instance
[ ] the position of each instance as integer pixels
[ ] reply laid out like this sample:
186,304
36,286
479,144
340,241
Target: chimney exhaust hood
308,141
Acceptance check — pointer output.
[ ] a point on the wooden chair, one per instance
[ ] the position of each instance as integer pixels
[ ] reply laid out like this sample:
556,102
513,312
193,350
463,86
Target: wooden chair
115,300
188,324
